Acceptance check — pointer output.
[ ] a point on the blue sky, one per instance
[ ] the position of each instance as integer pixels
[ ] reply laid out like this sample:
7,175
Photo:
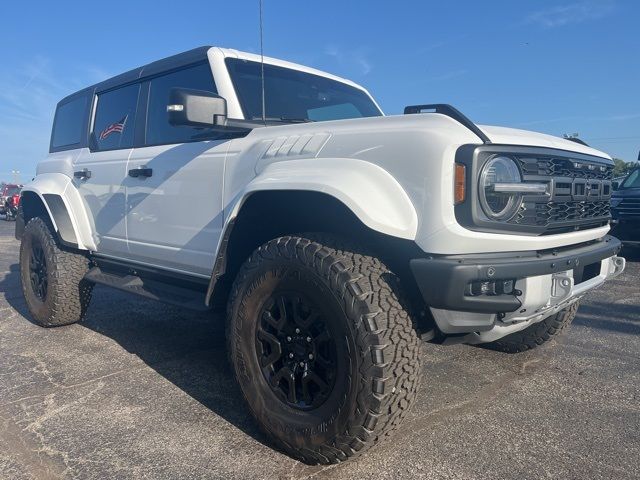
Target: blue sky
552,66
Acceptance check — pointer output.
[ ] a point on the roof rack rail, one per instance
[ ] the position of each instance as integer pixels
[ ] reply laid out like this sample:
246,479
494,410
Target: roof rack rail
449,111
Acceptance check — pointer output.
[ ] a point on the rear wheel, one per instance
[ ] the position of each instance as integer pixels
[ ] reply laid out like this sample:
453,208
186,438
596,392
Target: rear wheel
536,334
323,346
52,279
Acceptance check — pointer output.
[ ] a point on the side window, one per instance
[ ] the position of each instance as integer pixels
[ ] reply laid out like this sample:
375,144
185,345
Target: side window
115,118
69,123
633,180
159,130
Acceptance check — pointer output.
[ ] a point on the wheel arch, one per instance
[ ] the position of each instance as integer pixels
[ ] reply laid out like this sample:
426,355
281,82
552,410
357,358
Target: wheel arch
263,214
54,198
341,192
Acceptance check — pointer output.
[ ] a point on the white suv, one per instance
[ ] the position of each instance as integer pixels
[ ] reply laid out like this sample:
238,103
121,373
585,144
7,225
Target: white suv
339,238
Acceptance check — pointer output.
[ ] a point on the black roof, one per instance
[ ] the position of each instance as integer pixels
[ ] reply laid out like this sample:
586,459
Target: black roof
159,66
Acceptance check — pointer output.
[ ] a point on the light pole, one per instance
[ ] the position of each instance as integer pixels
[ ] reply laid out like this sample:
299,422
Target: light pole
16,176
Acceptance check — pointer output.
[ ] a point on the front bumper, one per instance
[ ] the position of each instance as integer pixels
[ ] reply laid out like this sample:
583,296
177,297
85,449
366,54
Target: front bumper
545,282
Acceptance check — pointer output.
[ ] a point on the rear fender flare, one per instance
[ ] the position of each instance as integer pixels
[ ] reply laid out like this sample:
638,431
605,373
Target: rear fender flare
64,207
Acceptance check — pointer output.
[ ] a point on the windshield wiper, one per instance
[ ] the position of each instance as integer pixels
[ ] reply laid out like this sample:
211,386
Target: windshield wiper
283,119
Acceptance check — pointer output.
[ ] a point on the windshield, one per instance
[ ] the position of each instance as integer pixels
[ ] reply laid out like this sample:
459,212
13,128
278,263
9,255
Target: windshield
296,96
10,191
633,180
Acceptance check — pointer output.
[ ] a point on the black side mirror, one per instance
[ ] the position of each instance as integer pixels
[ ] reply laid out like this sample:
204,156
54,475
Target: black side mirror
615,185
196,108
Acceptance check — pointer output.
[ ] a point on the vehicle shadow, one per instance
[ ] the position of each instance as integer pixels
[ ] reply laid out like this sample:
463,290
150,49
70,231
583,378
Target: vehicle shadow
620,318
632,254
186,348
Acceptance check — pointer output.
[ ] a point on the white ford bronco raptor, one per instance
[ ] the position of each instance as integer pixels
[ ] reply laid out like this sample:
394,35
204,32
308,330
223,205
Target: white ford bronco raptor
339,238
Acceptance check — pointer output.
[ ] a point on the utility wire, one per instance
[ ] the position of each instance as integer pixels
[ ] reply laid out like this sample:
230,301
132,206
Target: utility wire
616,138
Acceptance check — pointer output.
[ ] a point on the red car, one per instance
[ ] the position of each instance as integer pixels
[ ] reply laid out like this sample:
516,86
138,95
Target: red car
8,191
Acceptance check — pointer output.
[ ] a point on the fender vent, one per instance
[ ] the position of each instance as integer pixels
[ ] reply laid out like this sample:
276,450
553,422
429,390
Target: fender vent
307,145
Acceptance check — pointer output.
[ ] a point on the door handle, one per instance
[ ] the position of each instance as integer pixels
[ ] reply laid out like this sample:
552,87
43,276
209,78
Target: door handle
141,172
83,174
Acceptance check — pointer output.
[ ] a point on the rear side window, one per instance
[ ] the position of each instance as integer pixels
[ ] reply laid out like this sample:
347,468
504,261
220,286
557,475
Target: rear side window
69,123
159,130
115,118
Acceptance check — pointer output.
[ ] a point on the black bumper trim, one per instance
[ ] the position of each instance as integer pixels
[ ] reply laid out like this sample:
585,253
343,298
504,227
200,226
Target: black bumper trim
442,280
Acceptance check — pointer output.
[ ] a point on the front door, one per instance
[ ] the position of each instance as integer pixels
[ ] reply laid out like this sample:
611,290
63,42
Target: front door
174,184
100,173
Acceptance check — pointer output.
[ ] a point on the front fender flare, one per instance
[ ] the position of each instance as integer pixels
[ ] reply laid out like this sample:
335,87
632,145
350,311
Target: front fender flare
368,190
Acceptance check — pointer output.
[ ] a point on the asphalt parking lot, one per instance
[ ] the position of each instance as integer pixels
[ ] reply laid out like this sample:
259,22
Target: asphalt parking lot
142,390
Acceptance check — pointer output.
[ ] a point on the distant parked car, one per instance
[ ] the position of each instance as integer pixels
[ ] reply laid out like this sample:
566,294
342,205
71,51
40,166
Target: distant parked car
625,209
8,190
11,207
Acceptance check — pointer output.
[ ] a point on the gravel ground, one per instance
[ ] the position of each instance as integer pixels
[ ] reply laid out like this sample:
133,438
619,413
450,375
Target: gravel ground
142,390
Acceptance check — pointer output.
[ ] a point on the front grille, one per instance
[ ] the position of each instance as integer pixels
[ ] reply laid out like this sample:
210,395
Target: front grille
578,195
565,167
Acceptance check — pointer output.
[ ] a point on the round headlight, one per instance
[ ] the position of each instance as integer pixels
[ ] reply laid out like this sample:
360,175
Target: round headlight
499,203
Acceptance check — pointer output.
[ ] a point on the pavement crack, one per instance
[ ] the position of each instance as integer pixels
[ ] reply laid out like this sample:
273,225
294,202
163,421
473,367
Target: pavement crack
523,367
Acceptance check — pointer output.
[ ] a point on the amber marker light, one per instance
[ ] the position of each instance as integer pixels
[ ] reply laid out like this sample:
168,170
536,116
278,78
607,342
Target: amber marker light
460,189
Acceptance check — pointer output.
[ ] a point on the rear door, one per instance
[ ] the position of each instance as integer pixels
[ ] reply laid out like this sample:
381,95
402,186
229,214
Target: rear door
174,188
101,170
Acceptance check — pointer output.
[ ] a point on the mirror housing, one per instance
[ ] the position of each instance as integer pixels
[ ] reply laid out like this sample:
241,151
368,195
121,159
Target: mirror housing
196,108
615,185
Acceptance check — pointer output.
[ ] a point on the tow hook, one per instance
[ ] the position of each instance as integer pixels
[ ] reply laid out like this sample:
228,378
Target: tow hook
561,286
616,266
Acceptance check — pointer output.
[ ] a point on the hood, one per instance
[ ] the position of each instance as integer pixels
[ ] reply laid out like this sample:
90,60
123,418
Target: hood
513,136
626,193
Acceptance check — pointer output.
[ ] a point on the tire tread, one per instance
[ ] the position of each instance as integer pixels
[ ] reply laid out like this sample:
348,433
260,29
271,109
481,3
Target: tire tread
537,334
385,335
71,294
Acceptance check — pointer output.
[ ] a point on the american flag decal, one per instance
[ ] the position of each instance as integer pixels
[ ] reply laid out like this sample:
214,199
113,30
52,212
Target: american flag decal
114,127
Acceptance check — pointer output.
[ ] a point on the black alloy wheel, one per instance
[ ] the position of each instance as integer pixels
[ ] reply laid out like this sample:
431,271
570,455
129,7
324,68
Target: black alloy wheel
38,271
296,350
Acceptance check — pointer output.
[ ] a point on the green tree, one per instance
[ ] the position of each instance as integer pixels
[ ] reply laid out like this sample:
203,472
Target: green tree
621,167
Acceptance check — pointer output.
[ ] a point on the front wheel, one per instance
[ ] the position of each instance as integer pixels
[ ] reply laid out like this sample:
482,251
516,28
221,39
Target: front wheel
323,346
52,279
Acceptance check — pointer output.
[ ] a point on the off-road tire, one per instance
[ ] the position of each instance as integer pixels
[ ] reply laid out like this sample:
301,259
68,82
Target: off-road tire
536,334
383,375
67,294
